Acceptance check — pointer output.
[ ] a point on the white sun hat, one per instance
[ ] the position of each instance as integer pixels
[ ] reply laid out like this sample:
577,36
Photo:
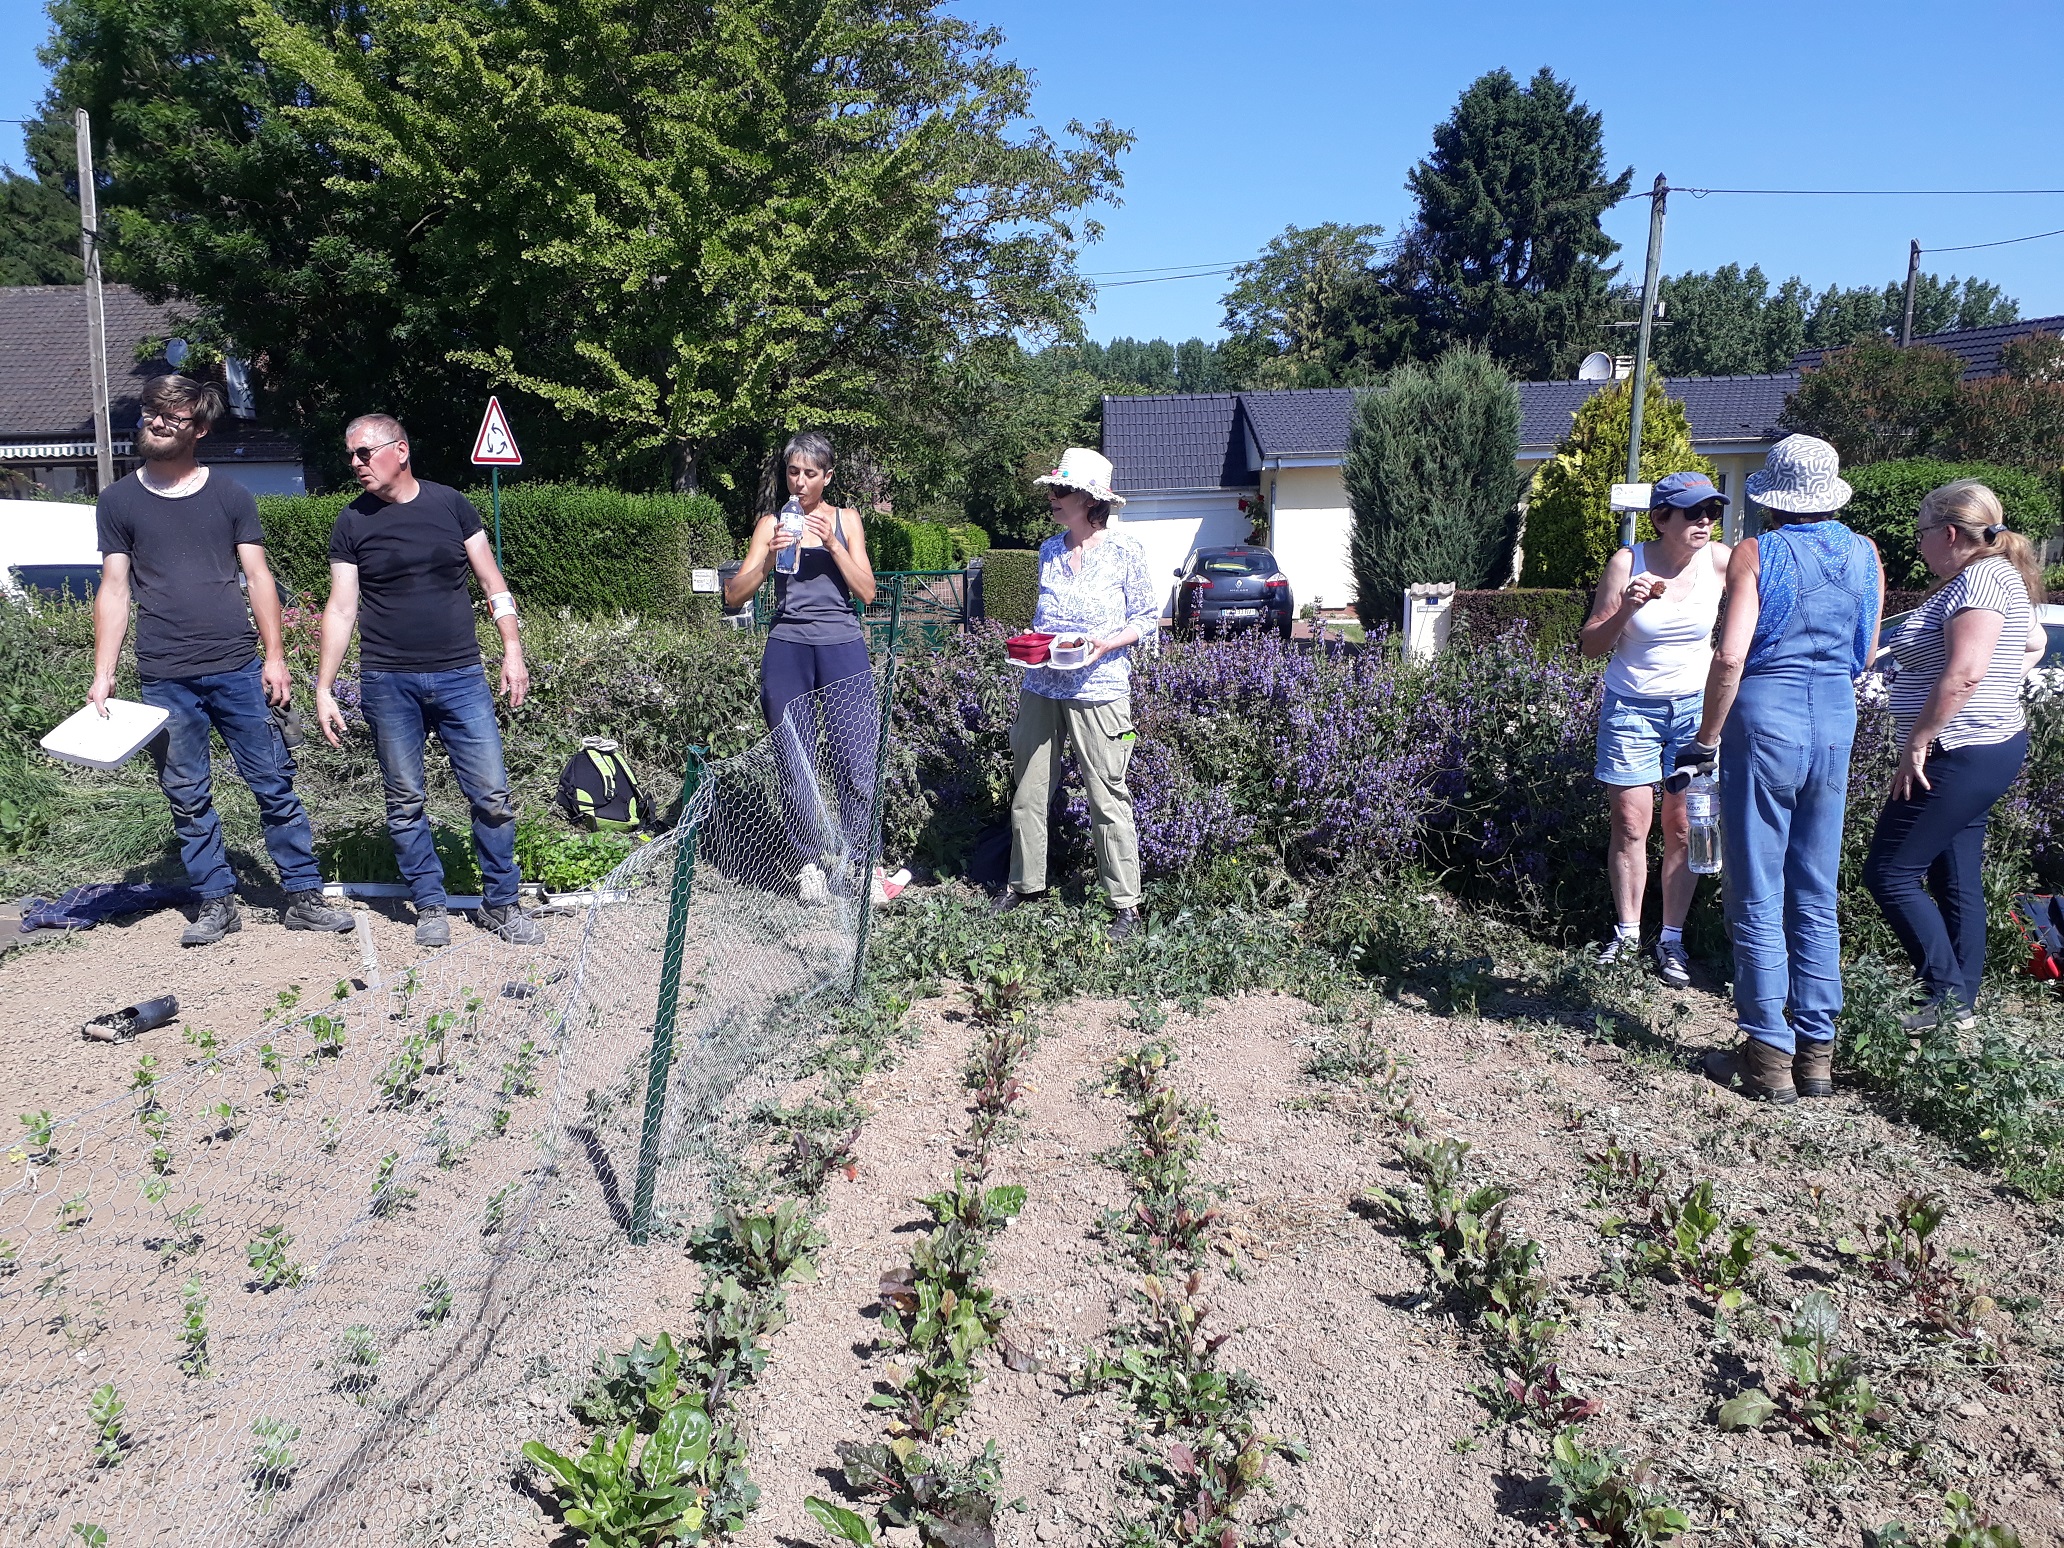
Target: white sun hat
1802,474
1085,470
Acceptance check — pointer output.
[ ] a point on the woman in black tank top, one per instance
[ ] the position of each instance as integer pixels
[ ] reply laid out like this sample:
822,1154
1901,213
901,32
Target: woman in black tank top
816,683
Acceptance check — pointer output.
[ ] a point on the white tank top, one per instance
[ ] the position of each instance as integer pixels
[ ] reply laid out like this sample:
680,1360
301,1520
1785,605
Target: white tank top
1667,647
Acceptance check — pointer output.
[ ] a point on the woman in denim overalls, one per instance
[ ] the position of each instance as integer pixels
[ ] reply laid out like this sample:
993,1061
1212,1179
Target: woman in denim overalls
1802,620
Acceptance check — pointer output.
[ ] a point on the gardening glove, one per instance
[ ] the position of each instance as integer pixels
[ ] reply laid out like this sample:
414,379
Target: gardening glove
1692,761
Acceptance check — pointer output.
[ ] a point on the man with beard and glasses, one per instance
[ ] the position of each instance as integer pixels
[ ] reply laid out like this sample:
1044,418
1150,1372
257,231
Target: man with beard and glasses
173,535
399,558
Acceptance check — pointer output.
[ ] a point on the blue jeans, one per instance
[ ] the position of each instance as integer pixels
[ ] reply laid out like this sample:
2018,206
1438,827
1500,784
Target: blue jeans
1939,837
403,708
234,704
1784,785
827,691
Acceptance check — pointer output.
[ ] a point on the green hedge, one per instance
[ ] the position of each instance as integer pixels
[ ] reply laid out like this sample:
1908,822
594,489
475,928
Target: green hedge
594,551
1555,616
969,542
895,544
1010,586
1888,497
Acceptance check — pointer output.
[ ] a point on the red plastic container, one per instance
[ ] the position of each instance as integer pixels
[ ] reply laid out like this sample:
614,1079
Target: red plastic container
1031,648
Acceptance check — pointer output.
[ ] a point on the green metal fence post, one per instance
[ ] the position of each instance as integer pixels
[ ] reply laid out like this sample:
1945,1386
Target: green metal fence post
668,1009
881,757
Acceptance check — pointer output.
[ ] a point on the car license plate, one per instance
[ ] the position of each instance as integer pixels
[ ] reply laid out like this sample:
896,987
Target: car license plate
1242,612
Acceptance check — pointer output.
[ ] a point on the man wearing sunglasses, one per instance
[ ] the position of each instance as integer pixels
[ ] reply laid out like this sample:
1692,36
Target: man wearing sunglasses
174,535
399,558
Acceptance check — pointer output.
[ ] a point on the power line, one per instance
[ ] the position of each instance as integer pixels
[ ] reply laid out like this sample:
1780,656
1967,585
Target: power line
1164,268
1869,193
1165,278
2003,242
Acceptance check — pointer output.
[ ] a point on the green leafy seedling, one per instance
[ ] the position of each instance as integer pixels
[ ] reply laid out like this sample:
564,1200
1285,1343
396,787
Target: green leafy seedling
221,1121
283,1003
74,1212
193,1329
328,1033
846,1525
496,1215
104,1410
387,1195
272,1459
42,1127
270,1266
89,1533
437,1301
145,1077
207,1050
358,1359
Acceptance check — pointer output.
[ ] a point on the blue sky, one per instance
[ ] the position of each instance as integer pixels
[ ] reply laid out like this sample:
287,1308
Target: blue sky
1253,116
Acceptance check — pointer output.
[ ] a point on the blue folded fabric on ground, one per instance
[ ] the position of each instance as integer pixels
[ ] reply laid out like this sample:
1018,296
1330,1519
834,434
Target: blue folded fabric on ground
84,907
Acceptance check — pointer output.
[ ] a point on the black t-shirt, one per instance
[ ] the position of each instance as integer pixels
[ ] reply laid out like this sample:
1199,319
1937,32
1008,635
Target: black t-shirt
414,614
191,618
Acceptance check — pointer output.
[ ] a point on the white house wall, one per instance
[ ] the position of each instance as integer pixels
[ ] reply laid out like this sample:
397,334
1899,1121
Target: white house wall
1172,524
1308,530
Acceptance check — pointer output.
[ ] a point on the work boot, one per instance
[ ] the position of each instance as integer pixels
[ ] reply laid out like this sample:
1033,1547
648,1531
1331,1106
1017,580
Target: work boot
1754,1070
433,926
513,925
311,911
1012,898
218,917
1813,1067
1939,1013
1125,925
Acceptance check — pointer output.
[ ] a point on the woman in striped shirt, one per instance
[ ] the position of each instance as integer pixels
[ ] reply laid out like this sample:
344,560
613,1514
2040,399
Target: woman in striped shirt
1962,655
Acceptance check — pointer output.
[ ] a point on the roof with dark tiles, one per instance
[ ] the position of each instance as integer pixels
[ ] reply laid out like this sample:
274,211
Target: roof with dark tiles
45,393
1197,440
1978,348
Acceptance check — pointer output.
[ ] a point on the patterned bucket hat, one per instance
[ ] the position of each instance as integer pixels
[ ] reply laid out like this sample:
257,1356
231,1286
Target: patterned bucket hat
1802,474
1085,470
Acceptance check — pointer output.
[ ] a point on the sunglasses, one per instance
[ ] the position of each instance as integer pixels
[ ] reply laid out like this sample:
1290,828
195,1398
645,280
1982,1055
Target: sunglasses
364,454
1703,513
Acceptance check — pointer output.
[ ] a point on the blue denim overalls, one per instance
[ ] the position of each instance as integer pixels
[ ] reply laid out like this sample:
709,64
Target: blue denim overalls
1784,777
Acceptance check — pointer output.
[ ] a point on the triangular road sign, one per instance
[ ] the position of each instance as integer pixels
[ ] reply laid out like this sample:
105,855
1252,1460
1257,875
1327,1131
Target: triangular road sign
495,446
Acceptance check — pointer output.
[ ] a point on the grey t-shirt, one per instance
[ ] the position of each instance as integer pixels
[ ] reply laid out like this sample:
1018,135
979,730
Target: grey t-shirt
814,606
191,617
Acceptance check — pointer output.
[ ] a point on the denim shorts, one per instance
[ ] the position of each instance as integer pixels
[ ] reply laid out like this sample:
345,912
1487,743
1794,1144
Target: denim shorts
1639,739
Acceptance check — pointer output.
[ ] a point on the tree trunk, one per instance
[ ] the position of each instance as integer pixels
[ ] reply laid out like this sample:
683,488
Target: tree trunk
687,472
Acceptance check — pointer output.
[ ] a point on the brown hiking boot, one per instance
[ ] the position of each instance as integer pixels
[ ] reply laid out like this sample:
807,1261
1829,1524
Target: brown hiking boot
1754,1070
1813,1068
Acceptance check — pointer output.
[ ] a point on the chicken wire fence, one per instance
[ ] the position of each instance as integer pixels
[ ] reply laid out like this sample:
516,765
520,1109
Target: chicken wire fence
315,1287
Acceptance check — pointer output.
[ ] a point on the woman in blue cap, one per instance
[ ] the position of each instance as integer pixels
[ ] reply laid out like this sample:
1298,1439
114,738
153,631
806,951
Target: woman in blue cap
1654,615
1803,601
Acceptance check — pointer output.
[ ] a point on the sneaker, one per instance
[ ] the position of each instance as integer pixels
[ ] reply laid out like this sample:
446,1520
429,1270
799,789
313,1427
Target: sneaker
1125,925
218,917
433,926
1012,898
1618,948
312,911
1672,966
811,887
513,925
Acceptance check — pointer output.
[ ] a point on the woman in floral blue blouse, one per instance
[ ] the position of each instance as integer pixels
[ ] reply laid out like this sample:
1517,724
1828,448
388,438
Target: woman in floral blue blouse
1092,584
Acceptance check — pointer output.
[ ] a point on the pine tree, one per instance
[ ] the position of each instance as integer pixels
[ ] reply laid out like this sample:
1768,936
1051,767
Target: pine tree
1430,481
1507,251
1571,528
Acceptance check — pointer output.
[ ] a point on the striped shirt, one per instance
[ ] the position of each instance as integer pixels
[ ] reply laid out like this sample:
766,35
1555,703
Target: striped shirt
1993,712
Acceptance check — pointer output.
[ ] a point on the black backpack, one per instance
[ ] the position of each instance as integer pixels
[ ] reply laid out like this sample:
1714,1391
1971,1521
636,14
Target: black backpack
598,791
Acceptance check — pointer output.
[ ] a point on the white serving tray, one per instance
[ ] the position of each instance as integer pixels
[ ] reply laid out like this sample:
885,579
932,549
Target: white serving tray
97,743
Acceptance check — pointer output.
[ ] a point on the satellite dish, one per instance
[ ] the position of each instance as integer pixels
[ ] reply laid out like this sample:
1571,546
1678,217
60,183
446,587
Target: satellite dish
1597,367
175,353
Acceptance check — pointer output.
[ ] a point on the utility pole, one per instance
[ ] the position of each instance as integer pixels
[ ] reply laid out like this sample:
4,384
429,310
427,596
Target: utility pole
1648,306
1913,274
96,311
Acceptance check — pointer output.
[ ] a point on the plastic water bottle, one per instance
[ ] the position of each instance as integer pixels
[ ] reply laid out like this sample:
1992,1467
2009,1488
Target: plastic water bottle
790,559
1702,807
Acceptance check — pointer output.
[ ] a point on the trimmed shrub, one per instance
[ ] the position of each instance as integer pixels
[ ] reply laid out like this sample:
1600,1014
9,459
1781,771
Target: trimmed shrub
1429,478
594,551
1010,586
895,544
1554,618
969,542
1571,529
1888,497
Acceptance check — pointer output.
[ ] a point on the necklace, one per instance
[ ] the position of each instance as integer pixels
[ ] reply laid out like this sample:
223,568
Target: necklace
175,489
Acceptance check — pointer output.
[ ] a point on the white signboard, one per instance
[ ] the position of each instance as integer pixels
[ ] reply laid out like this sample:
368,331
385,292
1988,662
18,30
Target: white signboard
1631,497
704,580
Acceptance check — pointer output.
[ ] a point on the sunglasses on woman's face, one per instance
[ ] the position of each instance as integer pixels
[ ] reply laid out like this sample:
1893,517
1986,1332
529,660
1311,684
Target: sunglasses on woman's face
1700,513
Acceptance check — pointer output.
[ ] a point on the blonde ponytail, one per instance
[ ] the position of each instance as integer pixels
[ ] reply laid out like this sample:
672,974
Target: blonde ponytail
1974,510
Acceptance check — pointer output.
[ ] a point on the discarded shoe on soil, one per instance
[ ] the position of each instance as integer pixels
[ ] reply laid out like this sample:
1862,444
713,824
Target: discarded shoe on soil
1754,1070
218,917
119,1026
1813,1068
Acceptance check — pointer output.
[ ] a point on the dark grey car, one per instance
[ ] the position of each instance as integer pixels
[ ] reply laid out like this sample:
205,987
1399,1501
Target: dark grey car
1221,590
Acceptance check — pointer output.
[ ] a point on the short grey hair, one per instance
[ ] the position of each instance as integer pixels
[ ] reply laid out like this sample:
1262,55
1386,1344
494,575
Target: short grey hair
379,424
812,447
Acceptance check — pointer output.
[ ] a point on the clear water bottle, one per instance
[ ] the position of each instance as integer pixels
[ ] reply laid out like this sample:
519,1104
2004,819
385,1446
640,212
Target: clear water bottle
1702,807
790,559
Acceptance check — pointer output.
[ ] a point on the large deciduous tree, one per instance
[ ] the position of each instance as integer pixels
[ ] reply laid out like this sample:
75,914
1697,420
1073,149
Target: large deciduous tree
1295,315
674,228
1876,401
1430,480
1506,251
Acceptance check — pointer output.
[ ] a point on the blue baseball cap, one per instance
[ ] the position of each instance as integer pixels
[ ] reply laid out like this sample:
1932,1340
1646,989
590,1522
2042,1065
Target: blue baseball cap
1684,490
